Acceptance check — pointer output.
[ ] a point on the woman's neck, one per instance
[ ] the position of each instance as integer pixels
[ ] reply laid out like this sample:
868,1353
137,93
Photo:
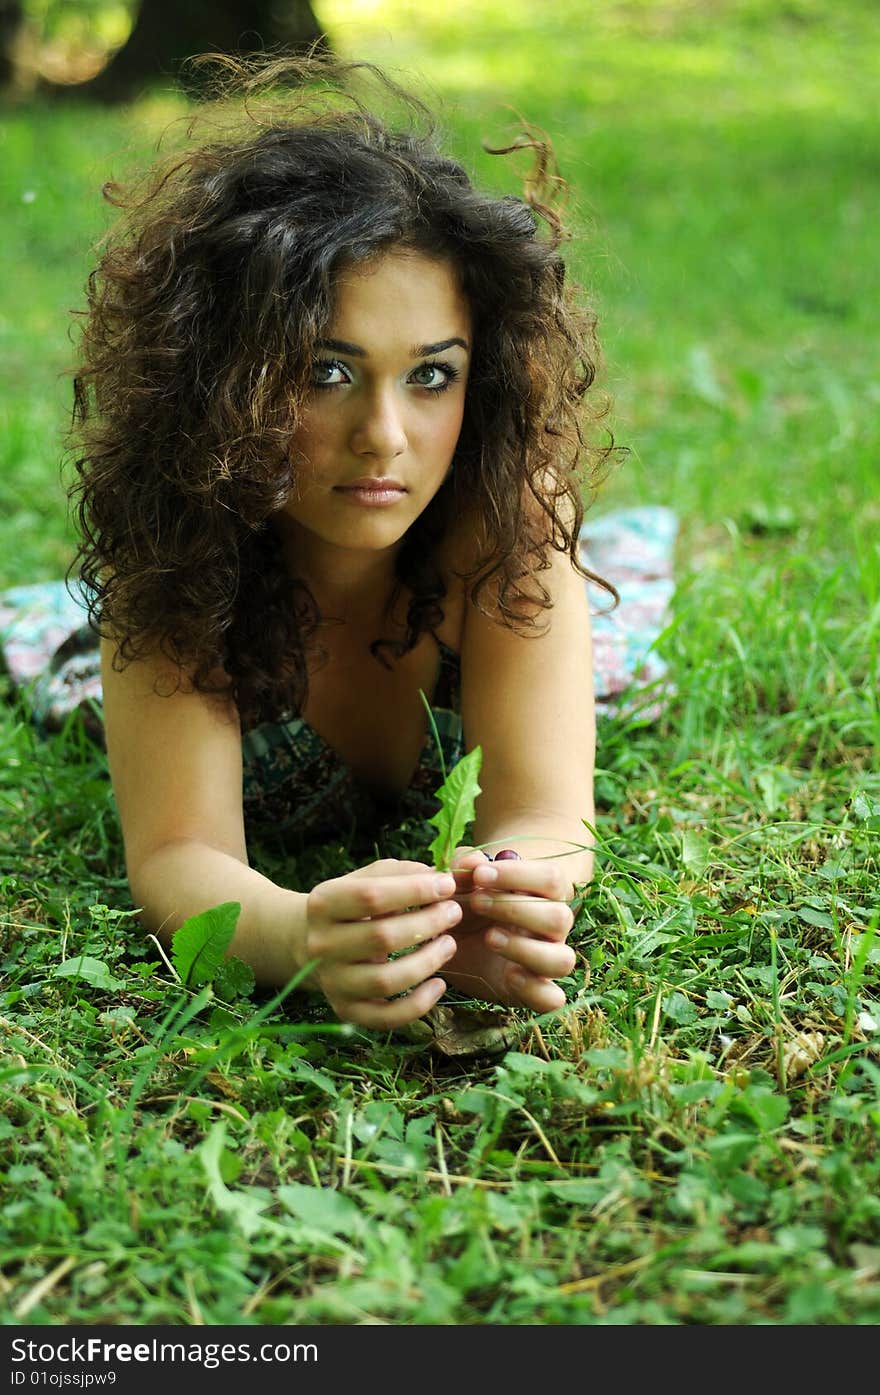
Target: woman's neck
355,587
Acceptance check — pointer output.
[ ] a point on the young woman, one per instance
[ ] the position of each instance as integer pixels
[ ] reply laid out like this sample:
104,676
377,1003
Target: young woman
331,410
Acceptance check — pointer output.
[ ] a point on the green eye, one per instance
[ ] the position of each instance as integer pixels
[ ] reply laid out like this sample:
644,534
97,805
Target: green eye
426,375
323,372
436,377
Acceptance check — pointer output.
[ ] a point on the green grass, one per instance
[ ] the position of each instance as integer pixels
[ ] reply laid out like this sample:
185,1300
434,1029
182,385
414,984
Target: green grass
693,1139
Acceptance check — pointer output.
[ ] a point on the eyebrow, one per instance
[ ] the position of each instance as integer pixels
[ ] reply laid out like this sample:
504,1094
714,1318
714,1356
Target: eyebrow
422,350
342,346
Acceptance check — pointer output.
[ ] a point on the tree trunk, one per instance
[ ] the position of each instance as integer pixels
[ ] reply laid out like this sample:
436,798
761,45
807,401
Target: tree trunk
166,32
10,22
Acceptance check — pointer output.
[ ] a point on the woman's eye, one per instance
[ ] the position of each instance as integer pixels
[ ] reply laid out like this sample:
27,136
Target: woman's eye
326,373
434,376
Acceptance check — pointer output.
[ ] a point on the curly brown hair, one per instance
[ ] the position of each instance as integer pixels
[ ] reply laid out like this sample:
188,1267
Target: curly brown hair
197,350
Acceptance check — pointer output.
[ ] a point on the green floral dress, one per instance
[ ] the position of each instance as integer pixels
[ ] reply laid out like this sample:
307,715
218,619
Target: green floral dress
298,790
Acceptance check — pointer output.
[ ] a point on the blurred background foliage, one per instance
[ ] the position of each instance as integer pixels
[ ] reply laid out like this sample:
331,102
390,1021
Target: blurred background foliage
68,40
110,52
721,157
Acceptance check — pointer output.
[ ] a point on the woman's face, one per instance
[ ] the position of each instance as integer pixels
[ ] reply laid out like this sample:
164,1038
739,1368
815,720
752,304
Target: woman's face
379,431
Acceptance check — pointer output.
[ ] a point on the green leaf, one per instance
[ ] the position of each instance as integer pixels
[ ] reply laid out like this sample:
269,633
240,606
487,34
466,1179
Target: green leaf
768,1110
234,979
679,1009
581,1191
810,916
731,1151
305,1071
694,852
199,946
519,1063
322,1208
812,1303
245,1207
865,809
457,796
775,782
93,971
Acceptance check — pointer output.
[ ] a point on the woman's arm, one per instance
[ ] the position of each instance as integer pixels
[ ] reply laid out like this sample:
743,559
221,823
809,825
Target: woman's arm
527,701
175,762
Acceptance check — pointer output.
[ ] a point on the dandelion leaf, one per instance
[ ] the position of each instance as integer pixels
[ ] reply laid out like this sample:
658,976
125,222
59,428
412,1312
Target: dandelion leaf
457,797
93,971
199,946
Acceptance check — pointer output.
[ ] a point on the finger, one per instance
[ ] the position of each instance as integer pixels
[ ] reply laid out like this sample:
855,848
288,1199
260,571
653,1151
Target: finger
539,994
384,1016
540,876
365,941
532,915
393,976
354,898
467,856
464,860
389,867
545,958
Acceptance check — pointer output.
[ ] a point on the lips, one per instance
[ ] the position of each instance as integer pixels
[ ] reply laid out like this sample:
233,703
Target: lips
370,482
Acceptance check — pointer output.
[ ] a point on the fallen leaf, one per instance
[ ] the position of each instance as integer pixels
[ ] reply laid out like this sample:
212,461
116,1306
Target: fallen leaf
800,1052
455,1030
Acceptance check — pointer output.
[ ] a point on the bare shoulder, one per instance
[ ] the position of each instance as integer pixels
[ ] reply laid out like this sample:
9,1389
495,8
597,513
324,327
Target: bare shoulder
526,680
174,755
464,555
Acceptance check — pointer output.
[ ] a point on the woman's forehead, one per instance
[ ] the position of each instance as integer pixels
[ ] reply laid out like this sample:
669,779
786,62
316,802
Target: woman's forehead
402,288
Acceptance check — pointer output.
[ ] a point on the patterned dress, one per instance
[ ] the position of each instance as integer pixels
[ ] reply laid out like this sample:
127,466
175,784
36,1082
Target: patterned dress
298,790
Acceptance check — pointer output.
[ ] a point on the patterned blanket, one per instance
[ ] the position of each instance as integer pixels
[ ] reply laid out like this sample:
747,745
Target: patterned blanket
51,654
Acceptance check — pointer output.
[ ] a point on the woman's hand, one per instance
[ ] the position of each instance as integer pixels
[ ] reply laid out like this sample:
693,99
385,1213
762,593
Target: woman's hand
356,922
511,941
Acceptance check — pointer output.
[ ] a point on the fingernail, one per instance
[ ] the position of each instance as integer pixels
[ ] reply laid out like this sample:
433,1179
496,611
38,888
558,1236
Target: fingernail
447,946
445,884
496,938
452,912
485,874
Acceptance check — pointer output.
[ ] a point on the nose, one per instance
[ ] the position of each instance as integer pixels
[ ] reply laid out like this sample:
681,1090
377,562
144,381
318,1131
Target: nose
379,428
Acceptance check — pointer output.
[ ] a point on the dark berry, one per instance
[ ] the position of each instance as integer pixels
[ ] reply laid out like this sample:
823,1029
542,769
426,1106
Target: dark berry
506,854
